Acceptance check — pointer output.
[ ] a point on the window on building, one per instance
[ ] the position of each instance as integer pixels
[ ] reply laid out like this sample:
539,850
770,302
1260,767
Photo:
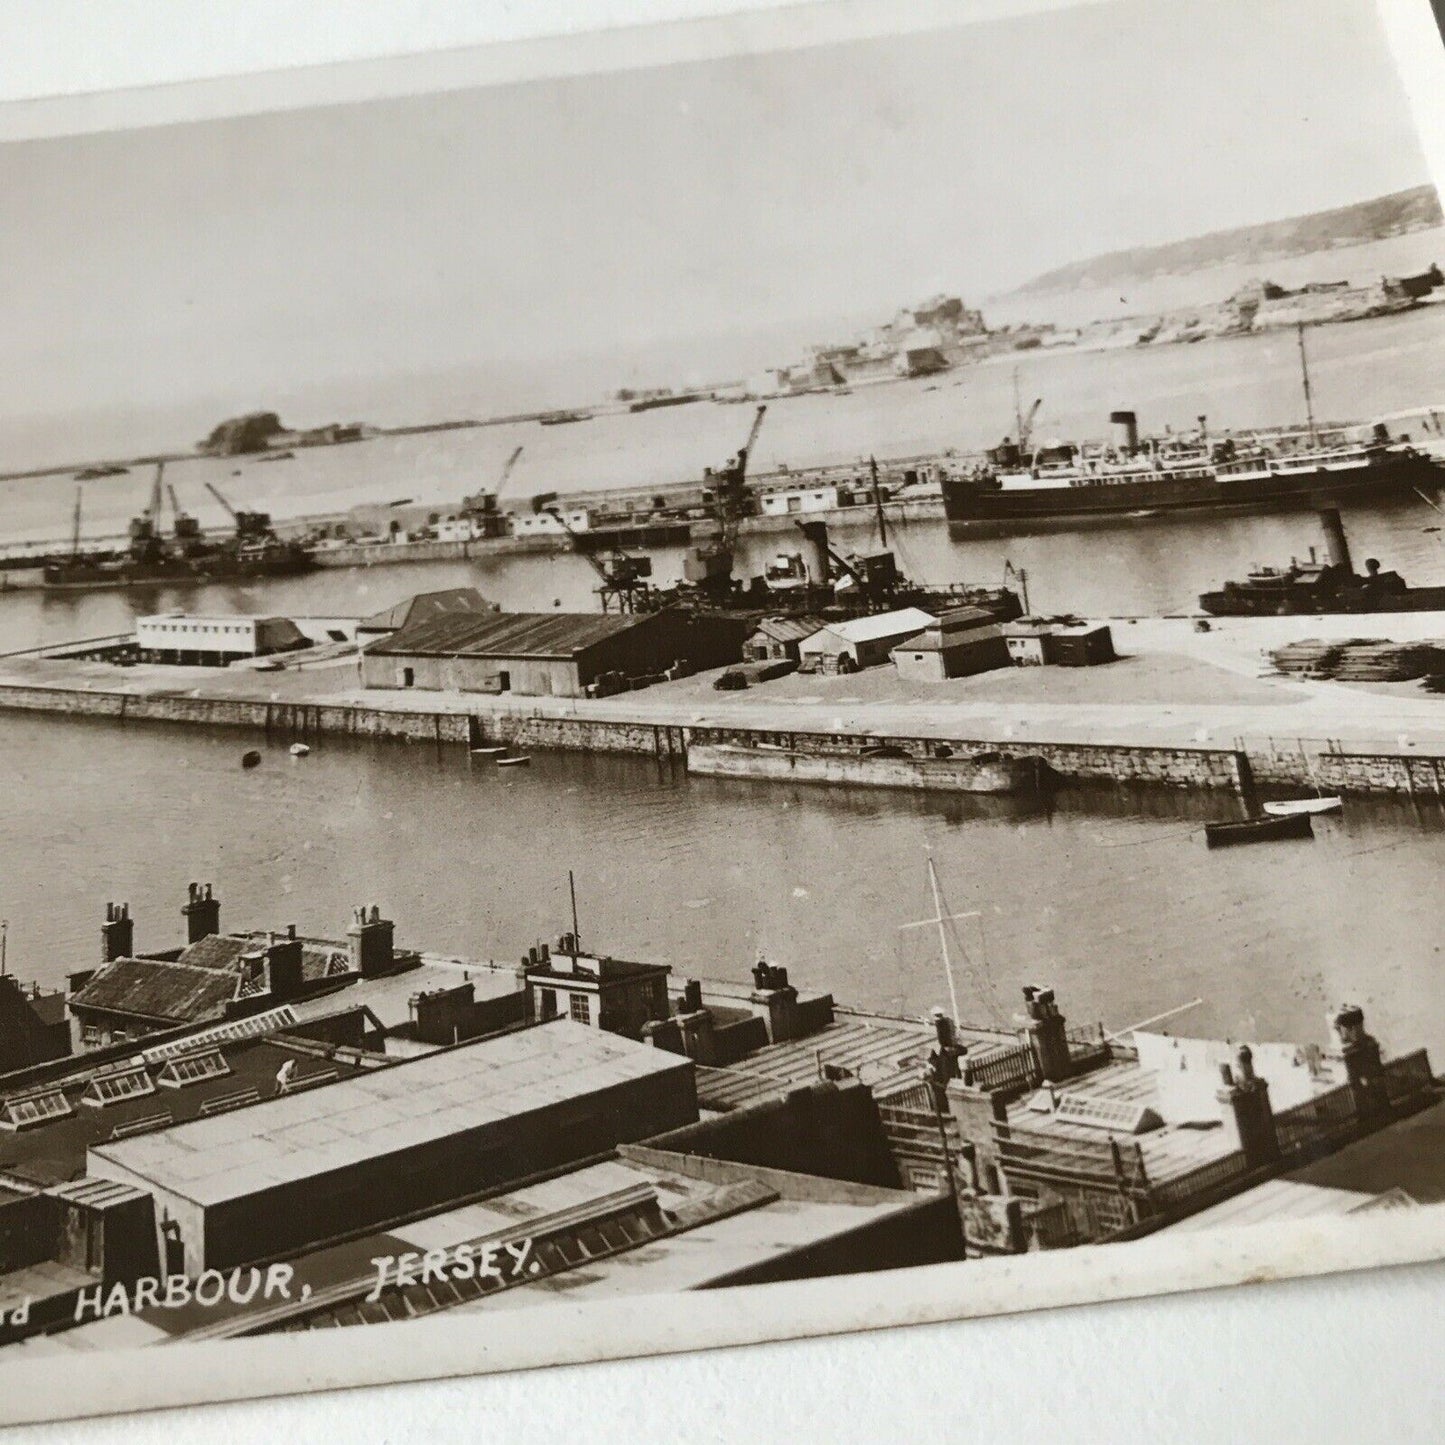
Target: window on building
37,1108
580,1008
106,1089
192,1068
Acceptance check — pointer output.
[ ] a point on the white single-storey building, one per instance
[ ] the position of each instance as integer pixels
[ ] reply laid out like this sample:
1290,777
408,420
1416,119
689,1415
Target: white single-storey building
214,641
861,641
544,524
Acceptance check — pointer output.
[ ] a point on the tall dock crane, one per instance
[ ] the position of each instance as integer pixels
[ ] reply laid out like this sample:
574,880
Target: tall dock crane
726,490
249,525
622,577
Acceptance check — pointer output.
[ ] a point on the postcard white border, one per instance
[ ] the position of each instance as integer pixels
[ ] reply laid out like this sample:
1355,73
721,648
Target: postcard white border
95,1383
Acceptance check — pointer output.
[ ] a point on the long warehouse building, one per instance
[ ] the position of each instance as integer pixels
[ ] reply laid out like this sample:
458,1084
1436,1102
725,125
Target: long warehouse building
285,1176
546,654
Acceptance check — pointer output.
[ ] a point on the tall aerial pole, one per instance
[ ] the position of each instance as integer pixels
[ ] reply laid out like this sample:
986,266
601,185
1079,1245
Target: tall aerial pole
576,937
878,502
1304,367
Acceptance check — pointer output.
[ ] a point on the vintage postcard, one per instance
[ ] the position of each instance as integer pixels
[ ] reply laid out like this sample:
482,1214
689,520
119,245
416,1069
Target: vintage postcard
646,681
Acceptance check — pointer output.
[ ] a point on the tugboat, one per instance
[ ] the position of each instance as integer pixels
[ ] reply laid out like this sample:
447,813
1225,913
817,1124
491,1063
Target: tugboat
1315,587
186,557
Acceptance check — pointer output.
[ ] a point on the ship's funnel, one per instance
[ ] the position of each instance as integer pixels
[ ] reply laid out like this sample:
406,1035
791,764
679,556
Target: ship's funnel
1125,427
1336,547
816,560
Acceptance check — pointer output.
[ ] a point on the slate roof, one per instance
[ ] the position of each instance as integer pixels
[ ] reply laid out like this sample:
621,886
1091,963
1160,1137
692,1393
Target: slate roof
223,951
154,989
557,636
425,606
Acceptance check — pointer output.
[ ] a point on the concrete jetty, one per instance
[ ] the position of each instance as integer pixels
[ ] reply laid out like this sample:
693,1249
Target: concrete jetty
1177,709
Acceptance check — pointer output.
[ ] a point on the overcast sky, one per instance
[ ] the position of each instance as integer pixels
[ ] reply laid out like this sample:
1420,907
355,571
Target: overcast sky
721,197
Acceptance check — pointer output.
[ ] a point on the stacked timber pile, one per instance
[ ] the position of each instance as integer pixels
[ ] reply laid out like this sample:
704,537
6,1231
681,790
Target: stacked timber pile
1313,657
1386,662
1361,659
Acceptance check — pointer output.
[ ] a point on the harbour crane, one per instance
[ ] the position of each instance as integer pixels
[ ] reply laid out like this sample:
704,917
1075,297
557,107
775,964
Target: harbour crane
482,507
508,469
185,526
622,577
726,490
145,530
248,524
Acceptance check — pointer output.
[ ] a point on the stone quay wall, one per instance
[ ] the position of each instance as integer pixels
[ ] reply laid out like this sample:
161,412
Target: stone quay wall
1401,774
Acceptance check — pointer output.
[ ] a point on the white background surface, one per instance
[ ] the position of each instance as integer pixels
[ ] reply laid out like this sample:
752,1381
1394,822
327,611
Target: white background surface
1354,1357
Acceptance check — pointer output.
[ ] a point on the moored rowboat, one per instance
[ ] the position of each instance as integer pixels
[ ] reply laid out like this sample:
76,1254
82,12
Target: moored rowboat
1292,807
1261,829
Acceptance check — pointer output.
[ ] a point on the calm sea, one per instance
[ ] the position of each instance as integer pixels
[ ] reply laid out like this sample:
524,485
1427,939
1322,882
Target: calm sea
1114,899
1357,370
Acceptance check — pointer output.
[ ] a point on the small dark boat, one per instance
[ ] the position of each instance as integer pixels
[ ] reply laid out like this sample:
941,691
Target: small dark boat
251,759
1264,828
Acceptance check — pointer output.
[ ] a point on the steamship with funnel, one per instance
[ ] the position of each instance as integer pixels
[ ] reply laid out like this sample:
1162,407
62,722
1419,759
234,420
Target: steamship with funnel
1130,477
1321,587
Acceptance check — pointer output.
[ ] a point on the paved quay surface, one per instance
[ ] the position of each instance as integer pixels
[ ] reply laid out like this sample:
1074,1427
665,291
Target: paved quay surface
1173,687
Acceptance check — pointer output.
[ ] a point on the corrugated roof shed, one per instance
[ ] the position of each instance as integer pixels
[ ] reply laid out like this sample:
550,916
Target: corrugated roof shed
881,624
788,629
424,606
420,1101
552,635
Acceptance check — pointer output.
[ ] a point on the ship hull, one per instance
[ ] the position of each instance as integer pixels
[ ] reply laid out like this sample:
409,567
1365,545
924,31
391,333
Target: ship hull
967,503
1246,604
102,576
638,534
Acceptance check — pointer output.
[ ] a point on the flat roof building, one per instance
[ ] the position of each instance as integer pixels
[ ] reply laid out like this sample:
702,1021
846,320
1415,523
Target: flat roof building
305,1168
214,641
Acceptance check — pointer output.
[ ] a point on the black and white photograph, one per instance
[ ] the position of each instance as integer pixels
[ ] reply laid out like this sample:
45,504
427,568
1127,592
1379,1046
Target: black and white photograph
745,684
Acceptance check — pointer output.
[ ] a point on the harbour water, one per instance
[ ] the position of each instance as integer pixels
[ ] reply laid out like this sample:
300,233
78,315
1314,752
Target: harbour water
1112,897
1150,565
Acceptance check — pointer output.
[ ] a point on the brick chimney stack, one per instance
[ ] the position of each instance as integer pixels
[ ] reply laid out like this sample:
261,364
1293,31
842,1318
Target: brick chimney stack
372,942
775,1000
283,965
1047,1038
117,933
202,913
1246,1096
